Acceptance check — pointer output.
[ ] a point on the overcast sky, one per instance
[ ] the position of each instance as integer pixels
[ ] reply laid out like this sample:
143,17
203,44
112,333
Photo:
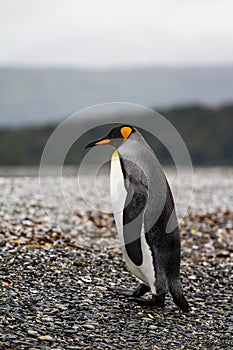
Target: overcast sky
112,33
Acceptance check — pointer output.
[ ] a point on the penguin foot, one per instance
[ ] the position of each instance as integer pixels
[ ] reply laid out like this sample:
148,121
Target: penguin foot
122,291
155,301
134,293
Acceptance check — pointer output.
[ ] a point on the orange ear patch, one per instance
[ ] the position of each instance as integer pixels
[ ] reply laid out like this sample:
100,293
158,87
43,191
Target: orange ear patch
126,131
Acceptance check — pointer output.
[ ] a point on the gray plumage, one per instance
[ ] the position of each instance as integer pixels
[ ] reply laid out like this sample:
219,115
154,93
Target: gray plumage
150,235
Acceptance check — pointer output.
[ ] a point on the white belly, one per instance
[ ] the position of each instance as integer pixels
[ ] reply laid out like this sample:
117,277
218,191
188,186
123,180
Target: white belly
145,272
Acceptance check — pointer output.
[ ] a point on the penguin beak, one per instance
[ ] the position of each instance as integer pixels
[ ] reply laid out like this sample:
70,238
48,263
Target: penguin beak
103,141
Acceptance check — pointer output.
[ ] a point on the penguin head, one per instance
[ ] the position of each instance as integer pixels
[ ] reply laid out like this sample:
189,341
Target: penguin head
115,137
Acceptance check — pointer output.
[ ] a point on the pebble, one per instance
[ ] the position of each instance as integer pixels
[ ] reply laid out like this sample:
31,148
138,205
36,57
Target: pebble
33,333
88,326
46,337
152,327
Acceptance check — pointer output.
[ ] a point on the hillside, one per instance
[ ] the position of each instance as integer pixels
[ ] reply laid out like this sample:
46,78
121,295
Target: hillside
46,95
206,132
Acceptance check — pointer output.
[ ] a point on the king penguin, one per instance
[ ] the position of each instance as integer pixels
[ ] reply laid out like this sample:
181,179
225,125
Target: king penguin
145,217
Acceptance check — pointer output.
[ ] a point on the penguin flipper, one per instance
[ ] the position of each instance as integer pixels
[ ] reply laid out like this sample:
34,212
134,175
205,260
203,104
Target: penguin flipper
133,212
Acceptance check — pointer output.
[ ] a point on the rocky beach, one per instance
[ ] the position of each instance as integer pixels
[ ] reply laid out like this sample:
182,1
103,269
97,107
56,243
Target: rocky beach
58,258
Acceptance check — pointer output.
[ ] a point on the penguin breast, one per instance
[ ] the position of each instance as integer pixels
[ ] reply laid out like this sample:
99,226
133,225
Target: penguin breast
118,193
146,271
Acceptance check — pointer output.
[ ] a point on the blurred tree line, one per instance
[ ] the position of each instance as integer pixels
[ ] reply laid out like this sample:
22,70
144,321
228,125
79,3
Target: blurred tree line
206,132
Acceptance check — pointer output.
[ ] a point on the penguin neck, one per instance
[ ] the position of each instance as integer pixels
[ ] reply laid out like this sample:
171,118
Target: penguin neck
115,153
130,138
133,138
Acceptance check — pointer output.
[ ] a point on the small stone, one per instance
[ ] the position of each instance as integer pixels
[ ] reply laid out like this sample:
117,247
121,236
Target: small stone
32,332
86,279
192,277
12,336
61,307
46,337
152,327
88,326
47,319
223,254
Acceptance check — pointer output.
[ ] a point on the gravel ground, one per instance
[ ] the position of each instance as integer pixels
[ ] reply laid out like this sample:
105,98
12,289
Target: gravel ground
55,271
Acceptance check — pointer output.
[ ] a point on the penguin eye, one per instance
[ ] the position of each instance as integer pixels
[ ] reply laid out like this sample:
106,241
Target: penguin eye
113,135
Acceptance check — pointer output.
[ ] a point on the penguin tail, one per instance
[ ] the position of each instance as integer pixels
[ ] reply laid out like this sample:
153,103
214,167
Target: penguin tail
177,295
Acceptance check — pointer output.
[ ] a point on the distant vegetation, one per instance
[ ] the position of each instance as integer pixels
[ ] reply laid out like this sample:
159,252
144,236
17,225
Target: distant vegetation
206,132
